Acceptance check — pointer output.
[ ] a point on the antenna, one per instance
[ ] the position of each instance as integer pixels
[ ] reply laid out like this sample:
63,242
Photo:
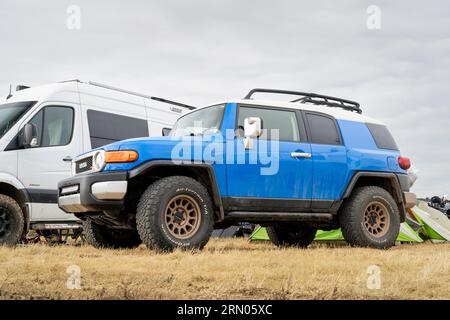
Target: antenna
10,90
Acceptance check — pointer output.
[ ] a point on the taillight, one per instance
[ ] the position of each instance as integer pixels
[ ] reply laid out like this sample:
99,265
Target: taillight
404,163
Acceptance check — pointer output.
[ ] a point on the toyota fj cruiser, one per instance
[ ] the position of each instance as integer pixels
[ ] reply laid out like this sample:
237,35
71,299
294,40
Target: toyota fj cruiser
294,167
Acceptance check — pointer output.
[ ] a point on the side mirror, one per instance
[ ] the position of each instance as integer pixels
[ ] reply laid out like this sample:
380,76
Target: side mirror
28,136
252,129
166,131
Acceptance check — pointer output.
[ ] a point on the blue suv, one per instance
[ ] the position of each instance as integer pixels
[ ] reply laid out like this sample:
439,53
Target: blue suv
314,162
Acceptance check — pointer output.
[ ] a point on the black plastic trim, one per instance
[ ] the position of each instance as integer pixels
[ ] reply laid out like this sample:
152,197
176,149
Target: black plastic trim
394,177
41,195
145,167
278,216
85,182
253,204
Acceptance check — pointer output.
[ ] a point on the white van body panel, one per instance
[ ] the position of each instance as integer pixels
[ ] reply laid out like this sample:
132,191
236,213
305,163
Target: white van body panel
38,170
10,179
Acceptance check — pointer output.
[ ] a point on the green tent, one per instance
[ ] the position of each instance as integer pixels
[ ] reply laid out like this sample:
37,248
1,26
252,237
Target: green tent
426,221
436,225
407,234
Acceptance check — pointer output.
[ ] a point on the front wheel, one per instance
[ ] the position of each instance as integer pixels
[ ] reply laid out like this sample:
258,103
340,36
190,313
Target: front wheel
175,212
370,218
298,236
11,221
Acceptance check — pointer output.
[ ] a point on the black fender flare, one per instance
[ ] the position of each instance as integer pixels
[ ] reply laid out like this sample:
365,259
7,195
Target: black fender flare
392,177
217,200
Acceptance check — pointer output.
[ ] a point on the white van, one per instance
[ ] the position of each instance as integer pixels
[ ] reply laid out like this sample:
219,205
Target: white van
43,128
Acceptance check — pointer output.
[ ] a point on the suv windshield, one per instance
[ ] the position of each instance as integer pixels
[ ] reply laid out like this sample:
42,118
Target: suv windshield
11,112
204,121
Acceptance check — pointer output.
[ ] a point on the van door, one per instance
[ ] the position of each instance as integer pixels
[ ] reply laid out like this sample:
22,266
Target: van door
40,168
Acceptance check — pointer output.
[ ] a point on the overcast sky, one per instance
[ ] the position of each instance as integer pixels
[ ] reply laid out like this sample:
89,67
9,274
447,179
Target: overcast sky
204,51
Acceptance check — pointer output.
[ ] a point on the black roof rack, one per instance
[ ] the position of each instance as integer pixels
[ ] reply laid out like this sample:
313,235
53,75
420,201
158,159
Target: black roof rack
314,98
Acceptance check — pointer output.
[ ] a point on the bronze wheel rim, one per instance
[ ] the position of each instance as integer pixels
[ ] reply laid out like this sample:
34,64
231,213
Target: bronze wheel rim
376,219
182,216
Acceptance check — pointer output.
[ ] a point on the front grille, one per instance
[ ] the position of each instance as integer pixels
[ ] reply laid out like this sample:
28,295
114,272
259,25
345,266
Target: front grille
83,165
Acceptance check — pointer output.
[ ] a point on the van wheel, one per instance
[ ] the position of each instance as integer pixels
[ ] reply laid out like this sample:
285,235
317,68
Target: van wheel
11,221
101,236
370,218
298,236
175,212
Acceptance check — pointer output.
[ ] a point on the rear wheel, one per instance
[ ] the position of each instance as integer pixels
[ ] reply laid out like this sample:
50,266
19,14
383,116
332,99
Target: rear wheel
299,236
370,218
175,212
11,221
101,236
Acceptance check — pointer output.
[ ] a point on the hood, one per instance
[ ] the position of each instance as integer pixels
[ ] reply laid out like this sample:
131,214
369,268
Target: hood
165,148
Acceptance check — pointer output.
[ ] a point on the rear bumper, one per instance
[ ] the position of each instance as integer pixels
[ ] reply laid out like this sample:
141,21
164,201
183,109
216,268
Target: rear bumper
410,199
95,192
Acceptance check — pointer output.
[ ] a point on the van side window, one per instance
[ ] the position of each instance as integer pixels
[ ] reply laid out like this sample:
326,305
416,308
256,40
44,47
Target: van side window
105,128
54,126
282,120
323,129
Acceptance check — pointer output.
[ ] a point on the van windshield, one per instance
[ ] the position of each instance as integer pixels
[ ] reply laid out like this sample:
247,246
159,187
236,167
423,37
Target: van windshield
10,113
203,121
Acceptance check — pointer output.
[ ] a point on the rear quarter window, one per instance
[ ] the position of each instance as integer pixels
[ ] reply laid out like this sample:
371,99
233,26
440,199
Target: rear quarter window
383,138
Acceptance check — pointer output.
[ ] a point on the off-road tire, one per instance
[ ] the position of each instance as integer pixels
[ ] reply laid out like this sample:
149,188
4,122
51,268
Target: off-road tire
288,236
101,236
352,218
151,216
11,221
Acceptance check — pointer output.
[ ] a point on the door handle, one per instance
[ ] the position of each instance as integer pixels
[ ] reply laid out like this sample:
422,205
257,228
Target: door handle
300,155
67,159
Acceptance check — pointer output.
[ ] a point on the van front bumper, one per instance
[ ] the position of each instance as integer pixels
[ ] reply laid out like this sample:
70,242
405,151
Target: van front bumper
95,192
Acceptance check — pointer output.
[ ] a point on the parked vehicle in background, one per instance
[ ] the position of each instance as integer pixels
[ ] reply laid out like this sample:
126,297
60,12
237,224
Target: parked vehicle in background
329,167
43,128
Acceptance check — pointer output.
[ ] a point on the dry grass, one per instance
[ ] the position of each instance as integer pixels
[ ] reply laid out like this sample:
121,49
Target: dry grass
226,269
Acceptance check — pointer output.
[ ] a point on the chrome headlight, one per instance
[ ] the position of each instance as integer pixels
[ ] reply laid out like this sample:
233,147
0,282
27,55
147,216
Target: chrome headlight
98,160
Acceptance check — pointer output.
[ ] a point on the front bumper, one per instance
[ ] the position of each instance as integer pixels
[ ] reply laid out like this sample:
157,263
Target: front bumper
95,192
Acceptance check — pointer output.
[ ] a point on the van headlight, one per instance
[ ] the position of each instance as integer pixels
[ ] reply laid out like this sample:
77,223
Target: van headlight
98,160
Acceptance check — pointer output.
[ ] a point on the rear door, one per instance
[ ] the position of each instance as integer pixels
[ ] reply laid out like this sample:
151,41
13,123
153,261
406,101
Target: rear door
41,168
329,159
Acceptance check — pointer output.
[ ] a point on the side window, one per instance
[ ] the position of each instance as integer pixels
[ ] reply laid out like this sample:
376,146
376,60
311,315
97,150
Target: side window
105,128
37,121
282,120
54,126
323,129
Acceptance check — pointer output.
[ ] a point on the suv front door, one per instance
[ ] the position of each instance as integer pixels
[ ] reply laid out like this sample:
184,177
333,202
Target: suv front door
281,179
40,168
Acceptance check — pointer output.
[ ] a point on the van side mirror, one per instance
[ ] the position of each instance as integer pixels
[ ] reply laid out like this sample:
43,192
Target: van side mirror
28,136
252,130
166,131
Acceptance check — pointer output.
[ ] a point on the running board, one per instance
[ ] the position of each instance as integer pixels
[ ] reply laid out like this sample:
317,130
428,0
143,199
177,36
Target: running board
278,216
55,225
